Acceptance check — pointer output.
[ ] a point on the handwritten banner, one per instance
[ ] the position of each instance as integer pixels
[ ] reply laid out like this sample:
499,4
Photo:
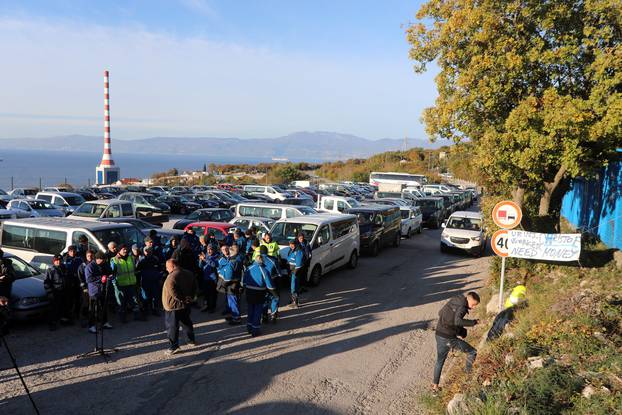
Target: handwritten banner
544,246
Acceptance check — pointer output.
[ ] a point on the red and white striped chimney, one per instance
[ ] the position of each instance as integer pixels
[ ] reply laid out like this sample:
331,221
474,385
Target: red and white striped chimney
107,157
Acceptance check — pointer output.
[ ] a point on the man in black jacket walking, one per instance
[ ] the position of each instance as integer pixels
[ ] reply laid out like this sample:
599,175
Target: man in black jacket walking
451,325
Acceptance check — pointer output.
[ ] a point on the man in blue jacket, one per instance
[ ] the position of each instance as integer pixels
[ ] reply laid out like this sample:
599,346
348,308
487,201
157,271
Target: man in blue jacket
209,268
271,307
97,288
228,282
257,283
295,258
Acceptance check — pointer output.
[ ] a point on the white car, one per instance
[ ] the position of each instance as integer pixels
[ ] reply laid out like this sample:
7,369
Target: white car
464,230
33,208
411,220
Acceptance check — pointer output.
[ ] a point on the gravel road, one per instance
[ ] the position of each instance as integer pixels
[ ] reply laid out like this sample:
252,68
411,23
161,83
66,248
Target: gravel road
362,343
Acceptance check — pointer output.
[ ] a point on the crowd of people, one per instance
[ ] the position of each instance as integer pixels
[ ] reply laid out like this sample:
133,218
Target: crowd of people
172,277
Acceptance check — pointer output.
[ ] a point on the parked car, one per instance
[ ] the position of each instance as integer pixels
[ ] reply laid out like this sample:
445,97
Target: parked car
23,193
464,230
145,227
203,200
336,204
34,208
219,229
87,194
158,190
380,226
432,209
272,211
68,202
179,204
334,241
205,215
28,297
411,220
262,225
273,192
146,202
4,196
104,209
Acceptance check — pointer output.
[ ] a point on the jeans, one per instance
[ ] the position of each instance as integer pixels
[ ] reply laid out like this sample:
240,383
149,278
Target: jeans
443,346
294,284
172,320
210,294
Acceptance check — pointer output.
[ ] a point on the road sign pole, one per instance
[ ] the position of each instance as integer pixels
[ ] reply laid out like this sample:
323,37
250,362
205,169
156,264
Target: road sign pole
501,284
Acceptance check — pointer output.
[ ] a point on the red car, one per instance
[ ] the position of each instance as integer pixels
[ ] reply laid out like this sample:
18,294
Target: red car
220,229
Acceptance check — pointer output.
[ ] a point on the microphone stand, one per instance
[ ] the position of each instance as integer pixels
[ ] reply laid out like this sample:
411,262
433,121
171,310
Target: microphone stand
99,349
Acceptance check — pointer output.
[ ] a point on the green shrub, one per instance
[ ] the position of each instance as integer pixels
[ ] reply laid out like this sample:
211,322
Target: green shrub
550,390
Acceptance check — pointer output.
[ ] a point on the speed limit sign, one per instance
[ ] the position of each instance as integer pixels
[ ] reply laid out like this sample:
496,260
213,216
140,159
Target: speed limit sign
499,243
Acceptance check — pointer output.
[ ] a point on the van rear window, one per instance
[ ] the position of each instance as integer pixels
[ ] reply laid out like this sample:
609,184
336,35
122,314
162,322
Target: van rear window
40,240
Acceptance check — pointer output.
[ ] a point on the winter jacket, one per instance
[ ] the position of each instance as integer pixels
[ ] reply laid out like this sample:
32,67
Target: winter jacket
295,258
271,266
209,267
186,258
6,271
82,274
93,274
149,269
257,278
192,242
72,264
273,248
451,322
179,289
55,279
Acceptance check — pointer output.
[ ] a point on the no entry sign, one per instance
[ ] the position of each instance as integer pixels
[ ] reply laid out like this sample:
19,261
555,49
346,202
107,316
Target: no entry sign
507,214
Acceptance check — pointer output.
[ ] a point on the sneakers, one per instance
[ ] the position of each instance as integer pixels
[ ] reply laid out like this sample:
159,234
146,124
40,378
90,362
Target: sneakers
192,343
107,325
92,329
171,352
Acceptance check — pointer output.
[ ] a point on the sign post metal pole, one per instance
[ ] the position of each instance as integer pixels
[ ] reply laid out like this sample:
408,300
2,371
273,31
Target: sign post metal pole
501,284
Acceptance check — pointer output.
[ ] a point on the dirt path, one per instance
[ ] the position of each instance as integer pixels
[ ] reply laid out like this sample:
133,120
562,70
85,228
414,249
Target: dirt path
361,344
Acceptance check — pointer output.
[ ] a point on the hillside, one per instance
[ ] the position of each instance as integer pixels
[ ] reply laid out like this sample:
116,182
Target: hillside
297,146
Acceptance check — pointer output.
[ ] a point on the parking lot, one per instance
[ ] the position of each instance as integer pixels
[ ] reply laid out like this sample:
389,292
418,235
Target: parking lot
362,342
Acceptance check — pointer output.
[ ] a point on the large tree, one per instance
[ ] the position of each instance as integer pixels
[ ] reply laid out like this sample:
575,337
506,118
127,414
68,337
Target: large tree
536,85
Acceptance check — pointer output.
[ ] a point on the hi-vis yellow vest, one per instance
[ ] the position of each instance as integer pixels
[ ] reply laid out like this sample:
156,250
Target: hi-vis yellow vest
518,295
125,271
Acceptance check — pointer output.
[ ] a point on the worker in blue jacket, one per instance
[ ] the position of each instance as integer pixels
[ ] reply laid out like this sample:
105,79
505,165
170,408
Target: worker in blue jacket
295,258
72,262
228,283
256,282
208,263
271,307
240,241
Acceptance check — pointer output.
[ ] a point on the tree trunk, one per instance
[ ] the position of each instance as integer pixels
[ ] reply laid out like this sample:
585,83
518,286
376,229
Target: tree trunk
549,190
518,196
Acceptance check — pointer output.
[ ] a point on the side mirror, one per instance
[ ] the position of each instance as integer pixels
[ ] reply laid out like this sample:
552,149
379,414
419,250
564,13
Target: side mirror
444,224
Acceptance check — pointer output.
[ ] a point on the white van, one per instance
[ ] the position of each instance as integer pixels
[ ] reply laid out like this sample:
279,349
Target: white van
37,240
104,209
336,204
412,220
272,192
66,201
274,212
334,241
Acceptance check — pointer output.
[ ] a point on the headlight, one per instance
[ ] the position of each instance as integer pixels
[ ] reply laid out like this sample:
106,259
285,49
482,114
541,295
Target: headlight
28,301
477,238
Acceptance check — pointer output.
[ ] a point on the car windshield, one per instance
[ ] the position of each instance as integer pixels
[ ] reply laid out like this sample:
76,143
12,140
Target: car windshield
150,198
74,200
40,205
21,269
121,235
283,232
30,192
426,205
405,213
90,210
469,224
365,218
197,214
306,210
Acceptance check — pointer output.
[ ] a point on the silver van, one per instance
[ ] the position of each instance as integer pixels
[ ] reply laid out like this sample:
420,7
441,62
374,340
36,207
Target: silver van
37,240
334,241
65,201
272,211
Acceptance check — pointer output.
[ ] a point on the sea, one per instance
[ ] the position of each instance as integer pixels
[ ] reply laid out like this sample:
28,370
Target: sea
24,168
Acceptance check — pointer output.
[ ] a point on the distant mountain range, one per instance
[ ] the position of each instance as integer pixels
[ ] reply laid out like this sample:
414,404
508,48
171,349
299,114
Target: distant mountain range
317,146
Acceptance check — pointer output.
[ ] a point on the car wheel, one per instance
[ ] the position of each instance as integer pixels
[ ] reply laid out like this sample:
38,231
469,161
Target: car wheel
375,249
316,274
419,229
398,239
354,260
409,233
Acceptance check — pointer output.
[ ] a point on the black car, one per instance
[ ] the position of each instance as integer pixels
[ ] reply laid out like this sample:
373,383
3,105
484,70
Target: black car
86,194
379,226
432,210
28,297
203,200
205,215
179,204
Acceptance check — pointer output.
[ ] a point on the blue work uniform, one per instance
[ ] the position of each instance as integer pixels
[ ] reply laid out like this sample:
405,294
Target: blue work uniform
257,282
227,273
272,298
209,270
295,258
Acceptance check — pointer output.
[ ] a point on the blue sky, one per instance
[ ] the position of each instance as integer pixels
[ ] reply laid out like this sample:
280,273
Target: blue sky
210,68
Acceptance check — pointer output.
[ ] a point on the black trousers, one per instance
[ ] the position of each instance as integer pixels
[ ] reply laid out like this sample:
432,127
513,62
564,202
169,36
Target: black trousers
172,320
98,312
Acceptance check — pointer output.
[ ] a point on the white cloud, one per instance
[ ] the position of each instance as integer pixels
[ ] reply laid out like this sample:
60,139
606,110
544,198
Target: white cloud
200,6
163,84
